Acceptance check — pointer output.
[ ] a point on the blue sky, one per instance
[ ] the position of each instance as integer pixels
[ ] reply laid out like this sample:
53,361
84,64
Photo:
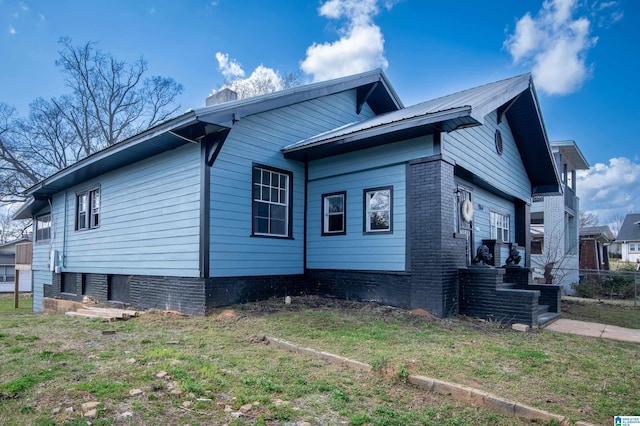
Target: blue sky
584,57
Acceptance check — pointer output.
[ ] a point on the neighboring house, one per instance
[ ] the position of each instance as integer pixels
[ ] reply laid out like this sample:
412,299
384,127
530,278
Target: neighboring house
594,247
8,268
629,238
332,188
555,221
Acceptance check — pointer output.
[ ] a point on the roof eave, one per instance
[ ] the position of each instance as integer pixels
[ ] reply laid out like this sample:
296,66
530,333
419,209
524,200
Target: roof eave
440,121
385,99
533,143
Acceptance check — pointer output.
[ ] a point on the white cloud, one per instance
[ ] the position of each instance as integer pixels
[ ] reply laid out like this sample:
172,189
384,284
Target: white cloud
229,68
361,44
12,30
609,189
262,80
555,44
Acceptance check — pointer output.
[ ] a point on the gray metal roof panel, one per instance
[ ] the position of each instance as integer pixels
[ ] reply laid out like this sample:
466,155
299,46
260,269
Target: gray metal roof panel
602,231
383,99
191,125
479,100
630,229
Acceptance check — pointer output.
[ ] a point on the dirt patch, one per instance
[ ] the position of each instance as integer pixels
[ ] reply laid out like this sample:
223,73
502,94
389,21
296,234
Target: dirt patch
318,303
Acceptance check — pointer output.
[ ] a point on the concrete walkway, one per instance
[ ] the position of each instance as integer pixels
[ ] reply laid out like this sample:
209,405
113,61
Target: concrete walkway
594,329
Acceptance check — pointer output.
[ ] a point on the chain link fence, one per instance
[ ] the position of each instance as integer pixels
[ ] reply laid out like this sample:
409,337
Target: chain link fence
613,285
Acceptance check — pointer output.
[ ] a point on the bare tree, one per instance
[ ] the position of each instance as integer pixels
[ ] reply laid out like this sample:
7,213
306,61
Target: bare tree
556,256
11,230
16,171
108,101
262,80
588,219
615,223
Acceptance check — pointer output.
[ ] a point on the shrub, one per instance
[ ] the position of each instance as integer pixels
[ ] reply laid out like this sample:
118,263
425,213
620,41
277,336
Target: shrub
590,288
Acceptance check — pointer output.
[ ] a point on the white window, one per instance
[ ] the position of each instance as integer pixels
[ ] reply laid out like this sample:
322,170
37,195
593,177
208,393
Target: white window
632,246
378,213
271,202
43,227
94,202
499,226
334,213
88,209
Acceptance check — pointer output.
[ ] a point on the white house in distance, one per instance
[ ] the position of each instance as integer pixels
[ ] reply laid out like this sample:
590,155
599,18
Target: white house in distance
629,238
555,223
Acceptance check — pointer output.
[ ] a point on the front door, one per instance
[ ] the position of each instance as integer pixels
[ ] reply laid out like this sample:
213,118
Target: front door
464,216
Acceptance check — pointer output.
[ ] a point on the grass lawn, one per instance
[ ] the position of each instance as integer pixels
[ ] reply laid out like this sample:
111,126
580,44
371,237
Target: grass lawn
215,368
7,304
603,312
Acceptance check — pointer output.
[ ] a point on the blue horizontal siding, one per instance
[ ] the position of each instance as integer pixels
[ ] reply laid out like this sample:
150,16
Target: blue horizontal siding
372,158
149,221
485,202
474,149
41,273
259,139
357,250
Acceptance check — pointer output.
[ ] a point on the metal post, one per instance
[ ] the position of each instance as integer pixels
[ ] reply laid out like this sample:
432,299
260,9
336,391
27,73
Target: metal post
635,289
16,287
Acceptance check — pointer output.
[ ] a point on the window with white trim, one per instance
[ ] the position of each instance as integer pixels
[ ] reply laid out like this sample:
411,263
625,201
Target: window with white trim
378,214
271,202
499,226
88,209
334,213
632,247
43,227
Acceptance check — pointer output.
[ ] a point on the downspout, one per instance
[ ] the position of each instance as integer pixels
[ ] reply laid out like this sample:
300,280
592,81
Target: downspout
64,232
304,239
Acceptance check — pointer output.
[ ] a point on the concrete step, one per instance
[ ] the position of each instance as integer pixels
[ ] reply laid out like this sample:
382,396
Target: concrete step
547,317
542,309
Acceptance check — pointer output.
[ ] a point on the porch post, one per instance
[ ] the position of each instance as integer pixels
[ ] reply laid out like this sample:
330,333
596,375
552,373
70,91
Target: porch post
435,254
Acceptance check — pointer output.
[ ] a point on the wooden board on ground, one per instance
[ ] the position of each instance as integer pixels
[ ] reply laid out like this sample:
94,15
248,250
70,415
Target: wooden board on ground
107,314
88,315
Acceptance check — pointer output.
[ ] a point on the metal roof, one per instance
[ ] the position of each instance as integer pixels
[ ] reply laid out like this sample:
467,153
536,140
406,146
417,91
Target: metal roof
469,106
194,125
601,232
630,229
513,97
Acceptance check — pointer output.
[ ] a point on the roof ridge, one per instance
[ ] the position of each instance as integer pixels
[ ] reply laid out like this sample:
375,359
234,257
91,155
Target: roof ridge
491,83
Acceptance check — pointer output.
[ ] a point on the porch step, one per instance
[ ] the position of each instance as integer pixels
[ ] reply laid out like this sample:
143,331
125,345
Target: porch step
542,309
547,318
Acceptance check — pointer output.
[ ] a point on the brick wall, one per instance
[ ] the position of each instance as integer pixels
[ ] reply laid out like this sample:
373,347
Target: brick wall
226,291
434,250
588,254
482,295
385,288
185,295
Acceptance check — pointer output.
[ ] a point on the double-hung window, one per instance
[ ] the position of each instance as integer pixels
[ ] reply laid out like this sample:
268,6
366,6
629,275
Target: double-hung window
334,213
271,202
88,209
43,227
378,210
499,226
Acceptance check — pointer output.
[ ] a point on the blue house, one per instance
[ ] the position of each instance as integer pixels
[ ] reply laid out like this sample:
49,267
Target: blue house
333,188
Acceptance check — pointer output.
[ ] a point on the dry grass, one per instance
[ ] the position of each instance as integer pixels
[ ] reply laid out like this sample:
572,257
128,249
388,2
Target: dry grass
52,363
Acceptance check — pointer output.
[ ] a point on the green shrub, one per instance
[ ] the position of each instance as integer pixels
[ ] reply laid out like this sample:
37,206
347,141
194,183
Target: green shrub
590,288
